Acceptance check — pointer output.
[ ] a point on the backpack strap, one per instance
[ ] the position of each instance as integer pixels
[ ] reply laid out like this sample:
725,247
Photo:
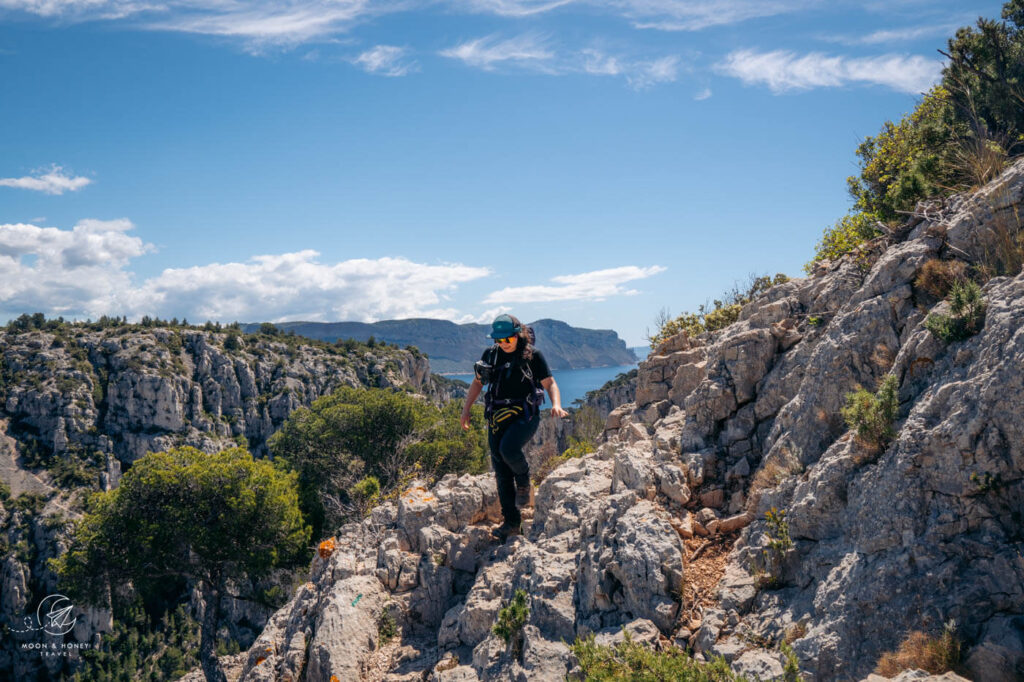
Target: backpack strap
531,402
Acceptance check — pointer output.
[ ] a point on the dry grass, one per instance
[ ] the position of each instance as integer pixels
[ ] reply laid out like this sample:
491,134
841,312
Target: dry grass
1006,255
981,158
937,276
919,651
771,473
794,632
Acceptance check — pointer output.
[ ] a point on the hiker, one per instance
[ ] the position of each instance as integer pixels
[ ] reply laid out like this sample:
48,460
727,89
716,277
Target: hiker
516,375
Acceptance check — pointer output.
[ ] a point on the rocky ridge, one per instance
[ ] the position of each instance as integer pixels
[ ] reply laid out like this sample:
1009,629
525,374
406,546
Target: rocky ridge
724,428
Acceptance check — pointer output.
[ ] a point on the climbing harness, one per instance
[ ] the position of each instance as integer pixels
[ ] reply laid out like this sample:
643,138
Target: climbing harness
503,411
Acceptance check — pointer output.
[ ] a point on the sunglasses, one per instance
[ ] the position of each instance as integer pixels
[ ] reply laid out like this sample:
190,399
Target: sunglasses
507,339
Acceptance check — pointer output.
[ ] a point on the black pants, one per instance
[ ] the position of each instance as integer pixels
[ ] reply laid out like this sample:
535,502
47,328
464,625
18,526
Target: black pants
510,465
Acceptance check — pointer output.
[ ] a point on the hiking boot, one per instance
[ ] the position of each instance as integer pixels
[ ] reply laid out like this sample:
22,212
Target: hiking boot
523,496
506,530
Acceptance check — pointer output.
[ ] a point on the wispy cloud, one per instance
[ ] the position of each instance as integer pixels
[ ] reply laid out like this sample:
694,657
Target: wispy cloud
513,8
52,181
386,60
258,23
639,73
646,74
261,25
597,63
596,285
79,9
527,50
84,272
703,95
695,15
897,35
782,71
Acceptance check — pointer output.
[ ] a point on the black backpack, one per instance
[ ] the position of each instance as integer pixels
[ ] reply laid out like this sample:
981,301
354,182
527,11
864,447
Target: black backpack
532,402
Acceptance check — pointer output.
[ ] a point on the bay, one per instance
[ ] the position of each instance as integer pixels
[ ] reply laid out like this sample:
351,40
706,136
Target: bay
573,384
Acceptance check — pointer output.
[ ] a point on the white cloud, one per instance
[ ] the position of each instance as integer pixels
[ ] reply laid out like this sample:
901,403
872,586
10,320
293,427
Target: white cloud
781,70
385,60
703,95
484,53
590,286
84,272
297,286
53,181
485,317
81,271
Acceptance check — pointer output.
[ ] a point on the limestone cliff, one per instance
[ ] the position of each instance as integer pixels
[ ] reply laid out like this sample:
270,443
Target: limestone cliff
81,403
664,531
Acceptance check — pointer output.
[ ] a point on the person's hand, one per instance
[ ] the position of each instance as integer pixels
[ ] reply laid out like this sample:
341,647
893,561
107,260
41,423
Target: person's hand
465,421
558,412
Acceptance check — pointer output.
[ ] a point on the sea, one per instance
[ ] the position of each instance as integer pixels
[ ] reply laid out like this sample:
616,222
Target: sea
573,384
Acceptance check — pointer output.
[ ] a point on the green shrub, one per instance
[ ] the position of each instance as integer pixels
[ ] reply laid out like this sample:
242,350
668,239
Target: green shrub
723,312
778,530
511,619
30,501
907,161
629,661
968,308
387,629
791,673
846,236
769,572
365,493
354,433
873,414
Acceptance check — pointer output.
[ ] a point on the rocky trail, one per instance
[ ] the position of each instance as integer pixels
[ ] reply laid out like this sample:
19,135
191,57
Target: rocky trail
729,508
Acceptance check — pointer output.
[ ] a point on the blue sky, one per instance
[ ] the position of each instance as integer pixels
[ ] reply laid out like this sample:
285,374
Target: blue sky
593,162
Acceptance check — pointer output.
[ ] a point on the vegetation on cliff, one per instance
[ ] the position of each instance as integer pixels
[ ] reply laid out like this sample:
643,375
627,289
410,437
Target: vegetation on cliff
352,437
719,315
959,136
186,514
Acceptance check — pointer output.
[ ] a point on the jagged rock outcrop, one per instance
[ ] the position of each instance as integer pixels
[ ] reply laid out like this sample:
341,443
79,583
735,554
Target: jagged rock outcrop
724,428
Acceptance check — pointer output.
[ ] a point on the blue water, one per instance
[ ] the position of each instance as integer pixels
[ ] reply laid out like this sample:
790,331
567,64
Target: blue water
572,383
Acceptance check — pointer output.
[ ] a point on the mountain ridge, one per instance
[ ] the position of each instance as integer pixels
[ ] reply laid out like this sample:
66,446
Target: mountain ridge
453,348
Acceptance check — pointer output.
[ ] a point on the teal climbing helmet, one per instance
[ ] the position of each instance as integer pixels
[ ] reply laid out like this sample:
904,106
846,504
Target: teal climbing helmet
503,327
